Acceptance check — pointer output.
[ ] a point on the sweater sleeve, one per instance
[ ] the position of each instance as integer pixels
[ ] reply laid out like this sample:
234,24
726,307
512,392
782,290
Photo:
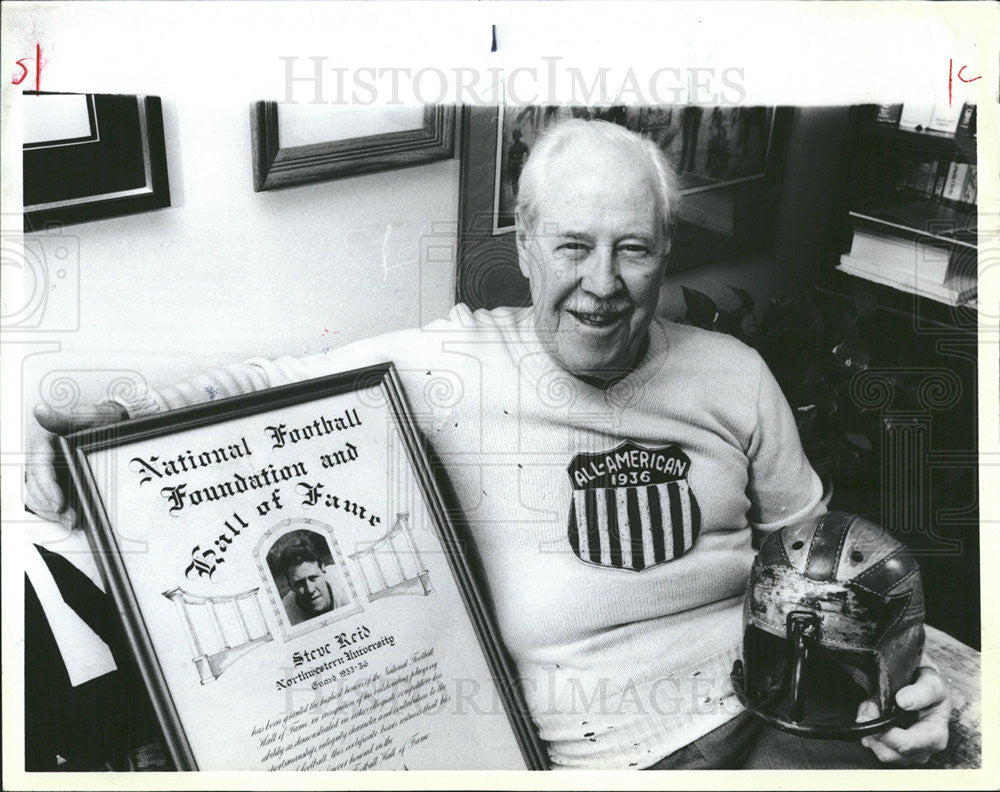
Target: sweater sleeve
257,374
219,382
782,487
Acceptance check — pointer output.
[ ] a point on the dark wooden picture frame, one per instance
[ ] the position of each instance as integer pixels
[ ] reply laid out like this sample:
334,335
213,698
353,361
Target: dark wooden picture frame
77,448
488,272
119,169
275,167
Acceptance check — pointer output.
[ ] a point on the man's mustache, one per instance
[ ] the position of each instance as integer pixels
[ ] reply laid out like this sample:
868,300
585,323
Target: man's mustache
606,307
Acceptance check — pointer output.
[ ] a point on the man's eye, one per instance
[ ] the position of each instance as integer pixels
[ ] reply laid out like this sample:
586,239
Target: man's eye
572,247
634,250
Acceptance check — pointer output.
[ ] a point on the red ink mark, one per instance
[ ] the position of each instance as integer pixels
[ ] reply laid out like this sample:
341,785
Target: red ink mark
959,75
971,79
24,69
325,331
19,80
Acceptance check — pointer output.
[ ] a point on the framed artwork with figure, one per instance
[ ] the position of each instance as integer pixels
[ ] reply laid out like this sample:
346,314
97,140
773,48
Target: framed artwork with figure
729,162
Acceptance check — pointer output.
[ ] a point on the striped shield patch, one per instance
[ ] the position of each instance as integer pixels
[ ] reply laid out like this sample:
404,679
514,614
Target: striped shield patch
632,507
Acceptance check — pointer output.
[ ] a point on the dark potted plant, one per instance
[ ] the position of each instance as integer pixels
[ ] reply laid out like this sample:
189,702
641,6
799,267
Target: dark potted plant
813,353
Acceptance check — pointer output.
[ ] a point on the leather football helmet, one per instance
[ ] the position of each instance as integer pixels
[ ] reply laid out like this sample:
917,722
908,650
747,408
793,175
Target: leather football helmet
834,614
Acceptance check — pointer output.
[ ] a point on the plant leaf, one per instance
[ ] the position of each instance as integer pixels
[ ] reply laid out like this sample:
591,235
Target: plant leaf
701,309
859,440
746,301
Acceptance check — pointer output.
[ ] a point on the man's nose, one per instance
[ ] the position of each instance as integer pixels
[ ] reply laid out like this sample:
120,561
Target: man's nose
601,275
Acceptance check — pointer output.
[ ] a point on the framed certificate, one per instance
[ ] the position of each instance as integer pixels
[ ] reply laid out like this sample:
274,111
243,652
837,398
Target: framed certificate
294,593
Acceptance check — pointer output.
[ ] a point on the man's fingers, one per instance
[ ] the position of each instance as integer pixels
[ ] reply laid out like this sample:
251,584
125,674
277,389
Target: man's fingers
883,752
62,422
69,519
927,691
867,710
926,736
42,495
53,420
889,754
45,491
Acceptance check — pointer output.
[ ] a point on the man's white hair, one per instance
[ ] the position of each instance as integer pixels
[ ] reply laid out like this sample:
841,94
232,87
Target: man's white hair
559,136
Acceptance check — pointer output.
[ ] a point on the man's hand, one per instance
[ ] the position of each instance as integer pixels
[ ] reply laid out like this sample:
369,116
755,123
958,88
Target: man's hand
45,485
923,739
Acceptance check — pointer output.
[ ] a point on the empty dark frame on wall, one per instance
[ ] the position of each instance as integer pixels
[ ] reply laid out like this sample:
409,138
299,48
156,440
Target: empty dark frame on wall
91,156
730,165
299,144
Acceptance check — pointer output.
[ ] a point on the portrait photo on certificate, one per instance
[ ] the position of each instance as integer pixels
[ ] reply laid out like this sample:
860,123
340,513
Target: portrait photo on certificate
482,390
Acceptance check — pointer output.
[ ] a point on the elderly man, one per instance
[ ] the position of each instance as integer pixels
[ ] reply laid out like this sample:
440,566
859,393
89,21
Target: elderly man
631,464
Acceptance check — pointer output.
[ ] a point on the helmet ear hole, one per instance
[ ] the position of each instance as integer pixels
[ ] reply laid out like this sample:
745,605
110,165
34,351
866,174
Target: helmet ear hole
857,556
797,545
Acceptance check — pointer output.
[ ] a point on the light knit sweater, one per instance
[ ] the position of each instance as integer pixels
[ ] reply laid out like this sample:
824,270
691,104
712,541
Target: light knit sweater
624,649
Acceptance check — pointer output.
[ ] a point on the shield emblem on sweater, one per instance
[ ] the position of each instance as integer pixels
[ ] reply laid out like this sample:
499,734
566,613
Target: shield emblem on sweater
632,506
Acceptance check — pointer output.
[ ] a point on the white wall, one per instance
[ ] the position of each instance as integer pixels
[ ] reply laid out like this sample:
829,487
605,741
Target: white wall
226,273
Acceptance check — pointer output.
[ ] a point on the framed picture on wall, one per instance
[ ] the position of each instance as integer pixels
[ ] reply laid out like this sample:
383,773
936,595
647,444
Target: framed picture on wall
300,144
91,156
729,161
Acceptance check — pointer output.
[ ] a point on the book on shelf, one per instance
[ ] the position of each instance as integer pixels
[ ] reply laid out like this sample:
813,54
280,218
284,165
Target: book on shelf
920,258
916,116
924,177
969,190
967,120
955,181
958,289
949,180
888,114
932,178
940,177
945,117
907,173
921,217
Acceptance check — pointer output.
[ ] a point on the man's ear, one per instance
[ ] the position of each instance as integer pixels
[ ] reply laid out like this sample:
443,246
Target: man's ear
523,243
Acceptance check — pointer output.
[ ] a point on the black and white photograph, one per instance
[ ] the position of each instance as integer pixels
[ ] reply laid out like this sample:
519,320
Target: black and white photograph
499,387
308,581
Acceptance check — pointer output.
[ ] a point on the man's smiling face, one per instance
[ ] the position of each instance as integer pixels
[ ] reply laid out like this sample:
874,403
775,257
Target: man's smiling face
595,256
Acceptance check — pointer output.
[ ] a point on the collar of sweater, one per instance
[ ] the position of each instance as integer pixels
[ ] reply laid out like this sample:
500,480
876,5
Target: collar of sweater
534,360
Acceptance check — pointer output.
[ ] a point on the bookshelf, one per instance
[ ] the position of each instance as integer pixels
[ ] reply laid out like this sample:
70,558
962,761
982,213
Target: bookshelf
887,273
909,205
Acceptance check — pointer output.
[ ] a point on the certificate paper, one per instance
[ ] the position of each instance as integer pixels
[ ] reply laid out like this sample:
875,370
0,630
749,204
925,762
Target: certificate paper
292,590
